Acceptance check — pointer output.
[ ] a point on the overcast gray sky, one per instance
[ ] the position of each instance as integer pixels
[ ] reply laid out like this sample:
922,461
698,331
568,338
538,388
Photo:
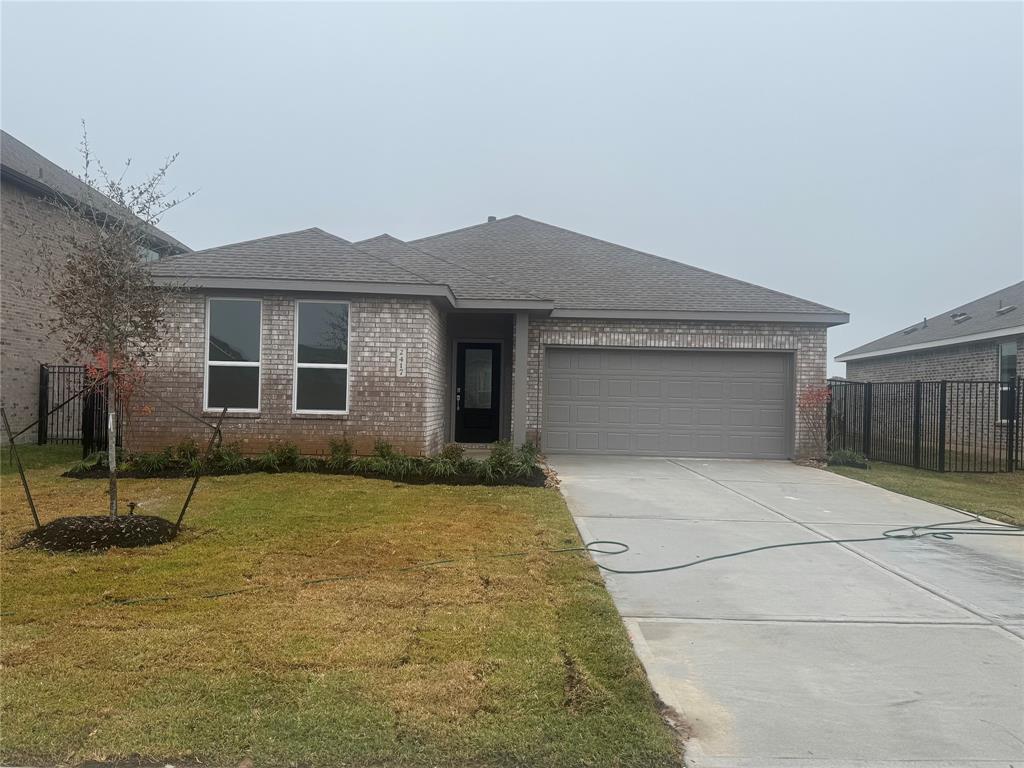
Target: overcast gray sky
864,155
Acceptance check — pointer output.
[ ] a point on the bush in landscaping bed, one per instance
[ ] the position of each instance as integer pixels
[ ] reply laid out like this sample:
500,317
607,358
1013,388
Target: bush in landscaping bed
506,464
844,457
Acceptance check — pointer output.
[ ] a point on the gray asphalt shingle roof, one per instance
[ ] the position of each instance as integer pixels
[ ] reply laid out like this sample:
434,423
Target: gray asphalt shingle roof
583,273
985,315
309,254
508,260
28,166
464,283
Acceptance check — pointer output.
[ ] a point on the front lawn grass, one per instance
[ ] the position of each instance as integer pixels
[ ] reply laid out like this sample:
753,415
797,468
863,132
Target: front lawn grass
482,662
997,495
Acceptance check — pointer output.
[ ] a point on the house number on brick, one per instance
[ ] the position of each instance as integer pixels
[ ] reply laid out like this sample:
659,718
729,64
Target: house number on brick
400,363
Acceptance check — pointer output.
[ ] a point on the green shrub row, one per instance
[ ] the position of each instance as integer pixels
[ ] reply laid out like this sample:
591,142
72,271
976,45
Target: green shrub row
505,464
844,457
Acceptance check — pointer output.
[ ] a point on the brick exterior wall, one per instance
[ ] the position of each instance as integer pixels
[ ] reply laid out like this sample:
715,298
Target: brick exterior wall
24,346
978,361
406,411
807,342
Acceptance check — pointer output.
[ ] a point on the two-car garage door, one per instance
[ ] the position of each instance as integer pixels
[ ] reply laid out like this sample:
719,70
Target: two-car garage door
668,403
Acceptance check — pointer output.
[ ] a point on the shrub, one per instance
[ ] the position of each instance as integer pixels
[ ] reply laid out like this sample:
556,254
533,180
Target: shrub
812,409
151,463
94,460
525,459
228,459
340,458
844,457
452,452
441,467
308,464
283,456
501,464
186,451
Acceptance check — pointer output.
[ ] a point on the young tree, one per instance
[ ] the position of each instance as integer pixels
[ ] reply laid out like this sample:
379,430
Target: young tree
105,304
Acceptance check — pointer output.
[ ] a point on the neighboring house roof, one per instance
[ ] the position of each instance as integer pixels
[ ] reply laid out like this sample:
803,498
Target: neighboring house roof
996,315
585,276
23,165
508,263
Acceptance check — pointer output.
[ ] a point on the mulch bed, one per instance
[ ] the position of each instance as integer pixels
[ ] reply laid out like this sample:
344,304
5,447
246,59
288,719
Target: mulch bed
535,480
92,533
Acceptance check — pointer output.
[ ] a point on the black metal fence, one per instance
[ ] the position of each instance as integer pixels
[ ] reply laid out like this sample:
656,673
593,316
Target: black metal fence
72,412
946,426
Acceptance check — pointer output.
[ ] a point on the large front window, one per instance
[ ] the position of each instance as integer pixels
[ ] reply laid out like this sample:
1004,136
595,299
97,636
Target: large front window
1007,375
233,354
321,357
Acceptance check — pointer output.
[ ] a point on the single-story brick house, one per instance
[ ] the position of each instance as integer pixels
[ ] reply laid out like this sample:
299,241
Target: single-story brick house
510,329
982,340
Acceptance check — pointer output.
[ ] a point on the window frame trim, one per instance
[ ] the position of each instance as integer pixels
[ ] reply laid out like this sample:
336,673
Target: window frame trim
231,363
1004,386
346,366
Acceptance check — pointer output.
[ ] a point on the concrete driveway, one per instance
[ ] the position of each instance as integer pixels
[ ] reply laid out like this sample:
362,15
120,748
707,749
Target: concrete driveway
890,653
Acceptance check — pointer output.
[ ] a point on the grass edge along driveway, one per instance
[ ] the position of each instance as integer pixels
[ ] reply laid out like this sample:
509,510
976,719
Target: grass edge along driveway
485,662
999,495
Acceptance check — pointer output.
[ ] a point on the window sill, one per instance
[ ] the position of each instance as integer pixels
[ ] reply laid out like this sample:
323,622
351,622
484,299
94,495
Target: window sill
233,414
321,416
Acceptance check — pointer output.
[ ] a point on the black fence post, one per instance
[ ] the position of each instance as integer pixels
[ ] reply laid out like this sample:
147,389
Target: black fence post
866,430
1012,418
942,426
917,424
828,417
88,421
44,404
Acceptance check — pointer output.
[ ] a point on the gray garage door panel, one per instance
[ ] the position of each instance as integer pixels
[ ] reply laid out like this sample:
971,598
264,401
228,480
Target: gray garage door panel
668,403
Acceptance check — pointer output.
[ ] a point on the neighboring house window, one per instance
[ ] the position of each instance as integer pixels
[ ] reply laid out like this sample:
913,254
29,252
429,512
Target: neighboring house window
1007,374
233,354
321,357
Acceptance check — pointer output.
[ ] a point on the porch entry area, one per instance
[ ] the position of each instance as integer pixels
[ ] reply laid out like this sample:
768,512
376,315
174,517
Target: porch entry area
481,348
478,367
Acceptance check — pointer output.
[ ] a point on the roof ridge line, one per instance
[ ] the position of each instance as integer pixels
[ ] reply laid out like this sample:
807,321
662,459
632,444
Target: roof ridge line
240,242
466,228
673,261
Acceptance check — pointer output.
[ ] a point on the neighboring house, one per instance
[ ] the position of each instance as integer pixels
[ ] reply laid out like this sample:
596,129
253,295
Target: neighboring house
979,341
30,184
511,329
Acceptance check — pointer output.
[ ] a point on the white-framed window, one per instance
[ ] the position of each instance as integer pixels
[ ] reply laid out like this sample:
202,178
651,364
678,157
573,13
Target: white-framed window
234,346
1007,376
321,357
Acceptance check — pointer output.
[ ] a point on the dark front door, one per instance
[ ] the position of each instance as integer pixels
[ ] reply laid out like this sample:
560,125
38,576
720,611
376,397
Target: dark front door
477,392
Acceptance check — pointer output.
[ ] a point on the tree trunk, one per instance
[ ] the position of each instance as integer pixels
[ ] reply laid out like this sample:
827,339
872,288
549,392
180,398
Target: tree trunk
112,433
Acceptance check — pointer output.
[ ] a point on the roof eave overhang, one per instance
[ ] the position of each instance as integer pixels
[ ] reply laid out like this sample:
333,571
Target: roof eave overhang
41,188
847,357
812,318
527,305
308,286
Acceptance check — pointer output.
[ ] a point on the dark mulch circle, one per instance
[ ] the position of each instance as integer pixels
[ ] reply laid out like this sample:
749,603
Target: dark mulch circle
90,533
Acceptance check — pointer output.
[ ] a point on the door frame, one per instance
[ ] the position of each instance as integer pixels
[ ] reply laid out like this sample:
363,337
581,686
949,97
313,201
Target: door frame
453,376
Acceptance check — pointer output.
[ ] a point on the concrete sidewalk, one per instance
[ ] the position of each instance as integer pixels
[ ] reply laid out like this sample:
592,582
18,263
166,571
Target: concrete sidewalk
888,653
